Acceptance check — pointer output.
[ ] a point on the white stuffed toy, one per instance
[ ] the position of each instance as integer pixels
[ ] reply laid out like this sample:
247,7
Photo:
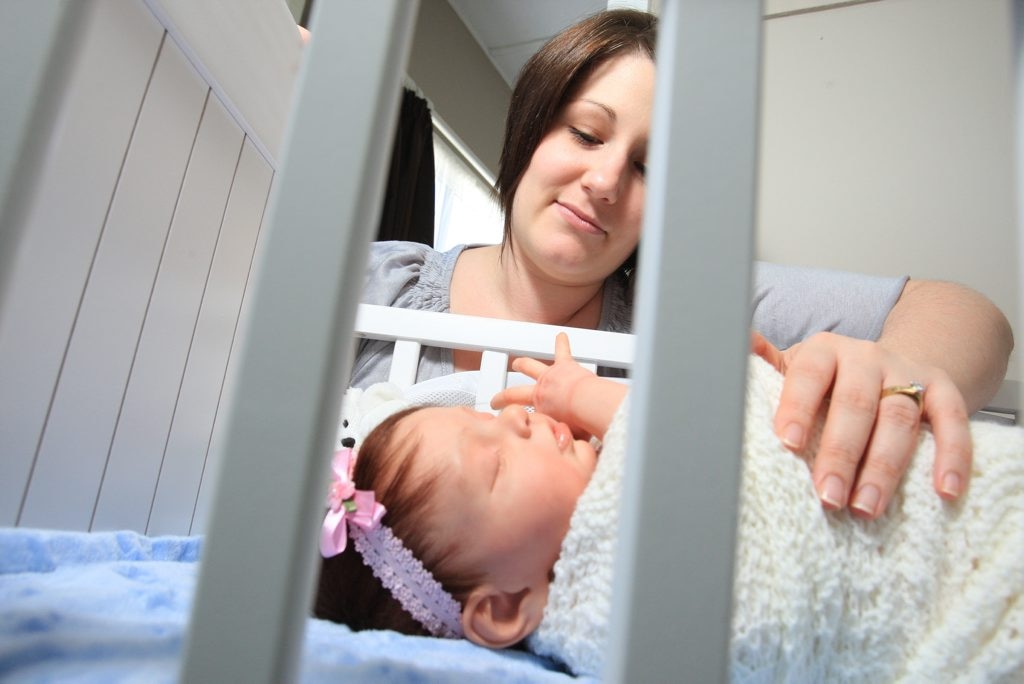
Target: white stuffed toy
363,410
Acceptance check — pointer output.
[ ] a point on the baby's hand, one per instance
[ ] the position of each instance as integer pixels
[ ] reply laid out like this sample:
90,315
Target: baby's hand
556,385
567,392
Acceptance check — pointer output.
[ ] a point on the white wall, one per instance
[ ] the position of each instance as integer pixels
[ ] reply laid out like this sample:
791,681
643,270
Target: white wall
459,80
887,142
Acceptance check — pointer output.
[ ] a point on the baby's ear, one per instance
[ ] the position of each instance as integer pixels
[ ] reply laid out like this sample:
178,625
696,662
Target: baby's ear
499,619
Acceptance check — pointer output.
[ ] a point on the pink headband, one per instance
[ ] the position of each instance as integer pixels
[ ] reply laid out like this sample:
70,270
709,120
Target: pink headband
357,512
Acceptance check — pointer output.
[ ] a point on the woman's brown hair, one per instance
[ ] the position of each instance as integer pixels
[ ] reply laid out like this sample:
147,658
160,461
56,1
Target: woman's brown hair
549,79
347,590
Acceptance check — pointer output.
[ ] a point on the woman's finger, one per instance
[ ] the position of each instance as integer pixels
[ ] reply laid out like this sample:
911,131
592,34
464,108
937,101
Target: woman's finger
810,370
766,350
946,412
888,455
848,426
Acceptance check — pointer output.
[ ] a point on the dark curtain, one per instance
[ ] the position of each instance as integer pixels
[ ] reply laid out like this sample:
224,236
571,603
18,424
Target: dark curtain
408,212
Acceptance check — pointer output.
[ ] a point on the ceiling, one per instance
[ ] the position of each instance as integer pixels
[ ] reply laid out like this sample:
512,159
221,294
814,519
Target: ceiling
510,31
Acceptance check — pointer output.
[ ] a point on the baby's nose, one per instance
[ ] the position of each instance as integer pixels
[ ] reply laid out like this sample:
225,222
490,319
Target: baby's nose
516,418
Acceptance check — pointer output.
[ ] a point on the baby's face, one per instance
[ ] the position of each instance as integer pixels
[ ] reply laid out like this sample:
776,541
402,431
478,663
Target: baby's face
507,486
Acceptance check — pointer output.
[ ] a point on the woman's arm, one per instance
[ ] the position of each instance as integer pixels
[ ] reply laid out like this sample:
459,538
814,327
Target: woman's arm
945,336
954,328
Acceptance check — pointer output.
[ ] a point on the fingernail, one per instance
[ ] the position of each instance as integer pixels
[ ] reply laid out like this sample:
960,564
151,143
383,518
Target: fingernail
866,500
793,436
832,492
951,484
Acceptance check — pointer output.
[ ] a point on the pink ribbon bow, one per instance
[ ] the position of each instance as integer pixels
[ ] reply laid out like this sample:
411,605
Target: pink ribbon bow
348,506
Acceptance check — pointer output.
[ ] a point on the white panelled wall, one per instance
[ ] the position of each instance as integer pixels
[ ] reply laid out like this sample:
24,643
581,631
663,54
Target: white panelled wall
123,299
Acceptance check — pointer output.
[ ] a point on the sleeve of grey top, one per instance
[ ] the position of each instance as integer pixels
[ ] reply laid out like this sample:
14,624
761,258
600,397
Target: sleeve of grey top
791,303
390,269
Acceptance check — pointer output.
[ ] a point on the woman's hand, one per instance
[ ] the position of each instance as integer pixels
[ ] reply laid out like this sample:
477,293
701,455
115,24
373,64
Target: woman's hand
867,441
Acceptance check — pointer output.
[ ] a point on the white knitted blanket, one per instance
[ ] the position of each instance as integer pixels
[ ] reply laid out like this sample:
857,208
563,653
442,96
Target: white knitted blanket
929,592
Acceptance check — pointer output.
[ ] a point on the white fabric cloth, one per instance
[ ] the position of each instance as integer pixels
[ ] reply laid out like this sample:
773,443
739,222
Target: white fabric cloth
929,592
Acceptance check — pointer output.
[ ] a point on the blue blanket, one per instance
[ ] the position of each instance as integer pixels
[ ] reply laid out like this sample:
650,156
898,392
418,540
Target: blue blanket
113,607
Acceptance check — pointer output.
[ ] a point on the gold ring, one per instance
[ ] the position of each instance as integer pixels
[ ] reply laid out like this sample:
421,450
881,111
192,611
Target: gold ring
914,390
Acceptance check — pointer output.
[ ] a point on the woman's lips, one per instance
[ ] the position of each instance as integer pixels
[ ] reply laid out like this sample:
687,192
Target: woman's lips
579,220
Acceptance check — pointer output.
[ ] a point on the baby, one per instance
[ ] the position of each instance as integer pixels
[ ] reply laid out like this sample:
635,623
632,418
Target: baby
507,527
482,501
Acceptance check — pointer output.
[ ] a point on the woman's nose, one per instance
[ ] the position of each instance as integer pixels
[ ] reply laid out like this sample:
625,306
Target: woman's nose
604,177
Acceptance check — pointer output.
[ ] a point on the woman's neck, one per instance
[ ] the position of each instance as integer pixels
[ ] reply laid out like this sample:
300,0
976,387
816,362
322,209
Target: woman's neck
490,282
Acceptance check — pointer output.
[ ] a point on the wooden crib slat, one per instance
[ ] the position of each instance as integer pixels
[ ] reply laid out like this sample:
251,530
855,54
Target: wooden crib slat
130,478
189,462
248,626
78,173
100,354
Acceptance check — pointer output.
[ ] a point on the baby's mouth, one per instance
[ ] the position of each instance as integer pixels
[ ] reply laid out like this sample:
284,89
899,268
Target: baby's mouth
563,435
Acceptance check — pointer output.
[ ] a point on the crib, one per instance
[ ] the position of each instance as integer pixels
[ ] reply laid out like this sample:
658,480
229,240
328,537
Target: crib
197,365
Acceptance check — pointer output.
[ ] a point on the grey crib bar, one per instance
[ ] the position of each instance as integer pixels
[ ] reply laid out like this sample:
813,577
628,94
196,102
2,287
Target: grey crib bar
43,55
1018,66
258,562
673,594
673,577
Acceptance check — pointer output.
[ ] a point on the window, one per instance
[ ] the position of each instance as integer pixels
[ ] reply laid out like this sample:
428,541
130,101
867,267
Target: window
466,207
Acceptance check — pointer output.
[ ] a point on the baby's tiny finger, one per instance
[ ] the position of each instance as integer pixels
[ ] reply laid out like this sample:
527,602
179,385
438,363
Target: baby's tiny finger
498,400
530,367
512,395
562,349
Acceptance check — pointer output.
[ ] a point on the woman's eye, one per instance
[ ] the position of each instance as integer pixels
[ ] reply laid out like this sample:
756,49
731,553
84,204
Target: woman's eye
641,168
584,138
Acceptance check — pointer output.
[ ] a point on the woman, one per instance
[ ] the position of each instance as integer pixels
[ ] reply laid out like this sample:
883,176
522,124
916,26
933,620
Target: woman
571,184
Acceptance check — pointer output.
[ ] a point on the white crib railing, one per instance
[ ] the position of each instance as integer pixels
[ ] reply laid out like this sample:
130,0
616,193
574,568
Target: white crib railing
499,341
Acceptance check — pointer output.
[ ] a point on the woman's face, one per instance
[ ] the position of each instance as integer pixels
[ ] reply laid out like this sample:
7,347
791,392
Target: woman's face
577,211
507,486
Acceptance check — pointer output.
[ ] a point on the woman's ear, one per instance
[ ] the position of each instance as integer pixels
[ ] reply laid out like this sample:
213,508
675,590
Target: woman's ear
499,619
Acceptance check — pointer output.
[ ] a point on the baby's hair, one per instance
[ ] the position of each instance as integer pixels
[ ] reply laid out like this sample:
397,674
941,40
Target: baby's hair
347,590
